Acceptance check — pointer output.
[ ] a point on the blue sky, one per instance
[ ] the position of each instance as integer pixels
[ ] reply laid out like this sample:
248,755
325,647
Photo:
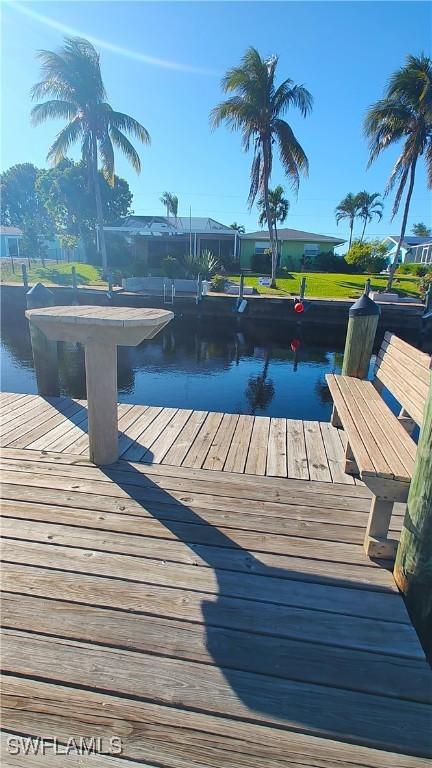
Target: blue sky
162,63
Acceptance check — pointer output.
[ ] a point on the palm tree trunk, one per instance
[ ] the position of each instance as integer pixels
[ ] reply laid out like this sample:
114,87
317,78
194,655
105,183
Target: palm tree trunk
351,234
403,228
99,214
266,160
364,230
277,243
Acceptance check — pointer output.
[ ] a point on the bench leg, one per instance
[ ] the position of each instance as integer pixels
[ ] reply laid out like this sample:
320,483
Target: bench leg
376,543
351,467
407,422
335,420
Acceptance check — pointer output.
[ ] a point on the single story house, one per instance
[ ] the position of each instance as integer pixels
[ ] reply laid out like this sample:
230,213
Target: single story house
9,242
10,238
413,249
294,246
152,238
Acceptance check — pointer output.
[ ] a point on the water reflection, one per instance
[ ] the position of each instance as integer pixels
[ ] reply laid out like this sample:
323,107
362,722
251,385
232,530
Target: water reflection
272,369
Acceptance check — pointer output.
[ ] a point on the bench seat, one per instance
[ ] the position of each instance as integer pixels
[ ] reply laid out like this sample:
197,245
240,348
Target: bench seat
381,446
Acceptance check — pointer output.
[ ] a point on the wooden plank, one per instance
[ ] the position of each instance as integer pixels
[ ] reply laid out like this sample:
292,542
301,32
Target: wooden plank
422,358
73,546
47,440
165,440
8,398
271,486
39,410
221,442
197,453
19,752
237,454
184,440
126,415
235,556
291,659
394,639
15,416
256,461
146,439
317,457
277,448
335,454
297,463
145,418
396,386
179,738
355,439
321,709
416,375
37,427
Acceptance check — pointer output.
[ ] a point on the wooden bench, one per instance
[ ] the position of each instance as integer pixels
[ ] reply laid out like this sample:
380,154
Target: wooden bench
380,448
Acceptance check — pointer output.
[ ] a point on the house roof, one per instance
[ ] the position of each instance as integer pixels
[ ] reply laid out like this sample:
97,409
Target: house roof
182,225
12,231
409,240
293,234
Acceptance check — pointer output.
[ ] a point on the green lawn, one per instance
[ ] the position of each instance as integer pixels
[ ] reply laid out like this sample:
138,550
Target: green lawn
330,285
52,273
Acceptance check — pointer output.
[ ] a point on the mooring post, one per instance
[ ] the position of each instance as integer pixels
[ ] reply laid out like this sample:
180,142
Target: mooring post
367,287
241,287
362,325
44,351
428,299
25,277
413,566
302,288
74,286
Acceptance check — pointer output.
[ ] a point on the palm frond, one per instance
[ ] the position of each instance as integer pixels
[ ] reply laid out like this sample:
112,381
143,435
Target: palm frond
255,175
292,154
106,151
288,95
53,109
64,140
127,123
123,143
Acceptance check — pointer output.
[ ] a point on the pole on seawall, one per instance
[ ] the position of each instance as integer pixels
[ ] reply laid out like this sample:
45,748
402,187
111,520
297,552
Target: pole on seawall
413,565
362,325
74,286
44,351
302,288
25,277
241,287
367,287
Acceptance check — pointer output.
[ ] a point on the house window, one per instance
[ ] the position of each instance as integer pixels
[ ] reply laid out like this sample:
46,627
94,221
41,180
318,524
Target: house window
262,245
311,249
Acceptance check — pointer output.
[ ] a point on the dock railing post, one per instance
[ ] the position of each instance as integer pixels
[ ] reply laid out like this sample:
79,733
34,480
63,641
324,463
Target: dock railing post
241,287
25,277
74,286
367,287
362,325
428,299
44,351
413,566
302,288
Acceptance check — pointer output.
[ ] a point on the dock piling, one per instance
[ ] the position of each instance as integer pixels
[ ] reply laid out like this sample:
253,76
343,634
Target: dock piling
25,277
44,350
362,325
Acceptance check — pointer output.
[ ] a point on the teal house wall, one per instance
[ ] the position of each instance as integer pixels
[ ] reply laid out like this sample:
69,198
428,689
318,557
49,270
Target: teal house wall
291,248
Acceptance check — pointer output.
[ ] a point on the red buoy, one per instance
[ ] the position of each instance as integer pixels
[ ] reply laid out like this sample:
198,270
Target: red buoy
295,345
298,306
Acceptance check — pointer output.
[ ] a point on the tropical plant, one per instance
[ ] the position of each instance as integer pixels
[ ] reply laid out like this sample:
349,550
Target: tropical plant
72,78
170,202
204,264
238,228
369,205
279,207
404,114
171,267
370,256
421,230
255,107
348,208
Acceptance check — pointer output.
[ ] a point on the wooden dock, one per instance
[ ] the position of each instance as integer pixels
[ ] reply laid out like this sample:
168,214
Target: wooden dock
208,617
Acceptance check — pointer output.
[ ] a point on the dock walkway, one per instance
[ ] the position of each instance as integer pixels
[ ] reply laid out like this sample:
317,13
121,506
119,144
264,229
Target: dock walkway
208,618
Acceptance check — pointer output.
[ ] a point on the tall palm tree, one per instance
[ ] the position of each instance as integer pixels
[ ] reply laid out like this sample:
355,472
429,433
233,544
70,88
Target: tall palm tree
348,208
255,107
238,228
370,205
72,78
170,202
279,207
404,114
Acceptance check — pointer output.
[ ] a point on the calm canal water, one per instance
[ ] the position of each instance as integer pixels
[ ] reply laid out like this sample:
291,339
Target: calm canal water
273,370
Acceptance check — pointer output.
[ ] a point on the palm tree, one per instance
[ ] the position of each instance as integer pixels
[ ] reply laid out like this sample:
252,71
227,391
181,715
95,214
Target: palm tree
170,202
421,230
404,114
72,78
370,205
348,208
238,228
256,107
279,207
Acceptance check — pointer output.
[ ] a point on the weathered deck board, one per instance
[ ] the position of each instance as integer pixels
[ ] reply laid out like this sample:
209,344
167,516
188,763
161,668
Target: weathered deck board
209,618
255,445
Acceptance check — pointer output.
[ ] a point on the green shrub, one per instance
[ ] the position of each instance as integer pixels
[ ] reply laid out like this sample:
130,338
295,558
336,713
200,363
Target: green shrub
329,262
261,263
425,284
419,270
369,257
218,284
171,267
